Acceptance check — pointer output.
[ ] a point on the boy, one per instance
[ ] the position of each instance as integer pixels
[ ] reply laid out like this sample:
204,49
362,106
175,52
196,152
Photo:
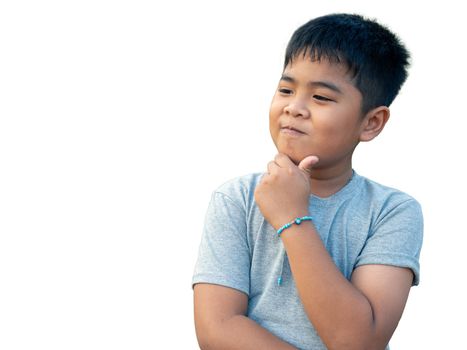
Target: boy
311,255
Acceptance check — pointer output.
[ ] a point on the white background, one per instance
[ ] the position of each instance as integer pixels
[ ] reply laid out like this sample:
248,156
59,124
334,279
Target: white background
119,118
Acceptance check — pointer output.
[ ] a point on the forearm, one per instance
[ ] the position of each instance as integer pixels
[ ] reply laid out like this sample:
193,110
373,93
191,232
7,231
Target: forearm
242,333
341,314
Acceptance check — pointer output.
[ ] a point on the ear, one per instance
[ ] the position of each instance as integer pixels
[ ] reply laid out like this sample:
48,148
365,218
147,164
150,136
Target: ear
374,123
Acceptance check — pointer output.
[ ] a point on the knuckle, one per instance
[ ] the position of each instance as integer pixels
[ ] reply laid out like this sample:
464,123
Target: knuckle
263,181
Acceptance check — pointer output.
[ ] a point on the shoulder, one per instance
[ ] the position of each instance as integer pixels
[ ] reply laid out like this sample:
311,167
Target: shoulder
240,190
393,211
395,233
388,208
386,198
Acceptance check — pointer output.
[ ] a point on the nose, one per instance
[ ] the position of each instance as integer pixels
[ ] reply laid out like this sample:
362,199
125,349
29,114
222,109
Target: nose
297,109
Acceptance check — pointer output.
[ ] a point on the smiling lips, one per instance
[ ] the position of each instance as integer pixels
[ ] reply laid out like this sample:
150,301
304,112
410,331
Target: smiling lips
291,131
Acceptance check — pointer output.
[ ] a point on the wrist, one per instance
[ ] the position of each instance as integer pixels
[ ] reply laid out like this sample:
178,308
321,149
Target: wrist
278,222
296,221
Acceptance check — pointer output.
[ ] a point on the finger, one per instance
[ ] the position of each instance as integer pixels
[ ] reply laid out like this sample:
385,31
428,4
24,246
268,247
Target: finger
272,167
307,163
283,160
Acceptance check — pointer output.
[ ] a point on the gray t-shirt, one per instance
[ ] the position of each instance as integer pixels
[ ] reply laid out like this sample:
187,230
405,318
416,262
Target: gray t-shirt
363,223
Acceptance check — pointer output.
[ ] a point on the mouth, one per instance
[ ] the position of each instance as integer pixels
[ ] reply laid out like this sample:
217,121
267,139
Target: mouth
288,129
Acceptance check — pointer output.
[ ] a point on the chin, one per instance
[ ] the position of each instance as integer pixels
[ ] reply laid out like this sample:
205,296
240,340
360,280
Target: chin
295,157
296,160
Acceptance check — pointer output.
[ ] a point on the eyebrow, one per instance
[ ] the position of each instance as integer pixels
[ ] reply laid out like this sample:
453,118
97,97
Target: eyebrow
325,84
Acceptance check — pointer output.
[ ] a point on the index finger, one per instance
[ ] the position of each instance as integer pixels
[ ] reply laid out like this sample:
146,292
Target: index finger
283,160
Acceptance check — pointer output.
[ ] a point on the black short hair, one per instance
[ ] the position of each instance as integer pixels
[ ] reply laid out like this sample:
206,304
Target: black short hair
376,58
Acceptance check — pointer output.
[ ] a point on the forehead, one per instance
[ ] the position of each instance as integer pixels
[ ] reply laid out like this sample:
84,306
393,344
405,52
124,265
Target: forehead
323,73
303,67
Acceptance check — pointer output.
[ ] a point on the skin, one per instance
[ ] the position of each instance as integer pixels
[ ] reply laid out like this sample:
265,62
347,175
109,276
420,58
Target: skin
315,123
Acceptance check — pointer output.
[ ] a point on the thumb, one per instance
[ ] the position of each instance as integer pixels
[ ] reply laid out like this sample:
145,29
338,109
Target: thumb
307,163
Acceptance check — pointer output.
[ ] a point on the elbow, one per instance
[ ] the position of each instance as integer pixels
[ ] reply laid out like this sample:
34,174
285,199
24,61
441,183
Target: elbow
209,334
360,334
346,344
354,343
354,340
205,339
204,344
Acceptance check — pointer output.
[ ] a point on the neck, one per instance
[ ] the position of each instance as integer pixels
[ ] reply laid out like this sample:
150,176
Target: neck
327,181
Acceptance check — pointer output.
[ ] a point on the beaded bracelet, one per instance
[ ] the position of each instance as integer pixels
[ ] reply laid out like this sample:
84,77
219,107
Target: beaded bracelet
297,221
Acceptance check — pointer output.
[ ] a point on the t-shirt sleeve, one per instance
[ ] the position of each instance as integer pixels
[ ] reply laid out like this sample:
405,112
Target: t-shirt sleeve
396,239
224,257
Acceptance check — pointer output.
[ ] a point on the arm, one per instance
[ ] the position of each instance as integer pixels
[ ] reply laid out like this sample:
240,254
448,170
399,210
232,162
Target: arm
221,323
222,281
358,314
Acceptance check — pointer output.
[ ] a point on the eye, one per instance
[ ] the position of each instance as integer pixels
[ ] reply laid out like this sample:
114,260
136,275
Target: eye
285,91
321,98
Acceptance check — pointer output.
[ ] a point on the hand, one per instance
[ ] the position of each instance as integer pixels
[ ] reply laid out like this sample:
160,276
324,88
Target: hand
283,192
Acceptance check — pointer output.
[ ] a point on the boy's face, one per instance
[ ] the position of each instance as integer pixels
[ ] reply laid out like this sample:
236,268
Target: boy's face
316,110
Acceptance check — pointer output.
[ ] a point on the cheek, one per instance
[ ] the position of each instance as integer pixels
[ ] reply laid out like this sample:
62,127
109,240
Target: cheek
335,122
275,109
336,137
275,112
